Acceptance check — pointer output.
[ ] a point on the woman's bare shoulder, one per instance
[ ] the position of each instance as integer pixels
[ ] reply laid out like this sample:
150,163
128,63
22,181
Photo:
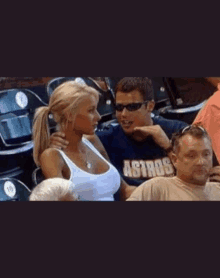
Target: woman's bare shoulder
50,152
51,155
51,163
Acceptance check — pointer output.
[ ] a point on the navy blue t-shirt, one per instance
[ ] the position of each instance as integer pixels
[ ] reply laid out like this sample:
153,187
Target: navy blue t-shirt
139,161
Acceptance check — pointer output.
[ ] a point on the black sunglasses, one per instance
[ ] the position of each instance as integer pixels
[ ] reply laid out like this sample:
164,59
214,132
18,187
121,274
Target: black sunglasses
129,107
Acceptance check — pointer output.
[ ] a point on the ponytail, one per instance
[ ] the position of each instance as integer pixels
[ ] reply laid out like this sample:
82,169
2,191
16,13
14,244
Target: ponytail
41,133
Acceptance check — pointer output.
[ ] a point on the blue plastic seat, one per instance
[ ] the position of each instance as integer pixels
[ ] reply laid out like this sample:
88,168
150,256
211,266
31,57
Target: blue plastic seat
37,176
106,100
17,108
13,190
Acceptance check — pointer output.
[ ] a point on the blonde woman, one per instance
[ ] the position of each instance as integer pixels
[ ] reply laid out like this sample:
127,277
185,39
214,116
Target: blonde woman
74,108
55,189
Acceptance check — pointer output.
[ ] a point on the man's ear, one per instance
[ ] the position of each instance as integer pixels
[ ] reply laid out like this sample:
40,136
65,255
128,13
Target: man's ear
150,105
174,158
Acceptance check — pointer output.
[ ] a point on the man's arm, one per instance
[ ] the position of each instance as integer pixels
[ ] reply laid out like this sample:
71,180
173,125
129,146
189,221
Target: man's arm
137,195
156,132
141,193
57,140
148,191
158,135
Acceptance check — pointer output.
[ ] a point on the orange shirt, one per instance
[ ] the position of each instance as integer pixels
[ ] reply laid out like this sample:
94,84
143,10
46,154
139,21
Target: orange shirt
209,118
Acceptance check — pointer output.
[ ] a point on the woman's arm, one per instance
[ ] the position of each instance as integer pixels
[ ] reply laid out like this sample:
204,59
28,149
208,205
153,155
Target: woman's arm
51,163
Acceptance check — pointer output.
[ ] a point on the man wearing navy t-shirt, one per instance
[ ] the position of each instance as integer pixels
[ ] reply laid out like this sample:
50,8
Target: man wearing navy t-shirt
137,144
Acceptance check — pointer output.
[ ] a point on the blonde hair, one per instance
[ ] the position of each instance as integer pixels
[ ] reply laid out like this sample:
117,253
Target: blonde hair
55,189
63,101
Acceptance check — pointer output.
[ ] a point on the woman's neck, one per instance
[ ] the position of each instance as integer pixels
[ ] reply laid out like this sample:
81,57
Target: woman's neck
75,140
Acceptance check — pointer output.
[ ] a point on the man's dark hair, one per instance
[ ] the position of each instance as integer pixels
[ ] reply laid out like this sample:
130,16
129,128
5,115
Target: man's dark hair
196,131
143,84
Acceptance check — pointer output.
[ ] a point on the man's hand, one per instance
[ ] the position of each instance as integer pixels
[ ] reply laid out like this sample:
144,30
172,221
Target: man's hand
215,174
57,140
156,132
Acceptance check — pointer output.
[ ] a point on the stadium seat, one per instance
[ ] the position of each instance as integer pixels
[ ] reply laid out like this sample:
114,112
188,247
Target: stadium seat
13,190
37,176
176,109
106,100
186,114
17,108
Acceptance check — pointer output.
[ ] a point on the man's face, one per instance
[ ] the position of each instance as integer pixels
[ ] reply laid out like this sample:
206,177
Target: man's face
193,160
131,119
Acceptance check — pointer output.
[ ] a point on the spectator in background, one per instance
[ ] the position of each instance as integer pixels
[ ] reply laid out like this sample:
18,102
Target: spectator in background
55,189
209,118
192,158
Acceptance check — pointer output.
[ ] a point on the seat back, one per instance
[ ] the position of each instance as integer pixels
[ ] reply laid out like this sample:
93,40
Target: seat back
175,108
186,114
17,108
161,96
13,190
37,176
110,85
55,82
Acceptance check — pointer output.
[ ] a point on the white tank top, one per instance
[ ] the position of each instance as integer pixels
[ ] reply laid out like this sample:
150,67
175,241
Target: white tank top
93,187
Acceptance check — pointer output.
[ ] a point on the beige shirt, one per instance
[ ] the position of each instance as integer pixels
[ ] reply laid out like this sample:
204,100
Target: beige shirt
174,189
